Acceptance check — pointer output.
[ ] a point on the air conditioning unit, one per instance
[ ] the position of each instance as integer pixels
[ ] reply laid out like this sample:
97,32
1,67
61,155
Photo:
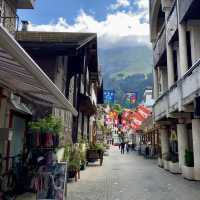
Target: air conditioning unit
15,98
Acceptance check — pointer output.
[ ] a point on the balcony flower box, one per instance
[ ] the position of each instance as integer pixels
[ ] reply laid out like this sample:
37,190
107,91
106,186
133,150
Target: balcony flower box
174,167
166,165
188,168
188,172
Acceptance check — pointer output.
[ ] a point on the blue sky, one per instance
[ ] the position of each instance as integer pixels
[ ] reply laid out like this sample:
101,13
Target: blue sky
45,10
117,22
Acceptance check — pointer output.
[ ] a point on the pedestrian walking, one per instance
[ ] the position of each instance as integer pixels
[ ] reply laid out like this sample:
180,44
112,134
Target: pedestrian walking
127,147
147,151
122,147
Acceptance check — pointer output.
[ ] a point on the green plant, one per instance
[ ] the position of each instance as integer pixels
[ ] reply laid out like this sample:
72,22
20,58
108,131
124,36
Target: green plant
74,159
34,126
97,146
67,152
50,124
189,158
73,165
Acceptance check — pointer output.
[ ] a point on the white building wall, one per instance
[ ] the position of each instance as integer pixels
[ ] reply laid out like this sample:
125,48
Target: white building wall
194,27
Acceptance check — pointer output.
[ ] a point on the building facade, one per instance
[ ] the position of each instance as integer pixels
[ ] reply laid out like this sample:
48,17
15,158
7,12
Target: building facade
22,84
175,29
70,61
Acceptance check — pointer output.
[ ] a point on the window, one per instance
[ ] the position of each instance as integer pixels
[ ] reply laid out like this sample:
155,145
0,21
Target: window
189,54
175,66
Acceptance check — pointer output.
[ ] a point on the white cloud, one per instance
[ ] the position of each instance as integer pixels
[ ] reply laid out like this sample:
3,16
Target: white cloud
119,4
118,29
144,4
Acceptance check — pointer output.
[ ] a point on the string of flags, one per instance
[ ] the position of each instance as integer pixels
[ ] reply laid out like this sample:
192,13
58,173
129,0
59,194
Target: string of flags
128,119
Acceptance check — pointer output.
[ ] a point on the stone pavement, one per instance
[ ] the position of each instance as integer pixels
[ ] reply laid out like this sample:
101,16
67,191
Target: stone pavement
131,177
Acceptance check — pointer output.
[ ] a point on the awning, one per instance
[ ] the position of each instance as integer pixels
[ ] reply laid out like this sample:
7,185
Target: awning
20,73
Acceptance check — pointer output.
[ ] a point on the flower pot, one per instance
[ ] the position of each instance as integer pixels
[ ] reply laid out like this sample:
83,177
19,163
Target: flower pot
197,173
72,173
166,165
94,155
174,168
82,166
188,172
160,162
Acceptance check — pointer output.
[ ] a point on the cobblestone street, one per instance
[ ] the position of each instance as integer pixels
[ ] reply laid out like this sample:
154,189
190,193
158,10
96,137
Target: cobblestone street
130,177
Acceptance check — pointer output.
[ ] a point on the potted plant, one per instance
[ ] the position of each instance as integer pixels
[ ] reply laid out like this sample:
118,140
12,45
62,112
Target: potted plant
45,132
82,150
74,163
166,159
188,168
95,152
174,164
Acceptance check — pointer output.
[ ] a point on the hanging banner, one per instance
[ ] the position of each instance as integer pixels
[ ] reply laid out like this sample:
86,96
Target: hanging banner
130,98
145,112
109,96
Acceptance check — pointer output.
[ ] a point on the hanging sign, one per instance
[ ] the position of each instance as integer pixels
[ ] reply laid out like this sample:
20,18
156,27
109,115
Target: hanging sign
109,96
130,99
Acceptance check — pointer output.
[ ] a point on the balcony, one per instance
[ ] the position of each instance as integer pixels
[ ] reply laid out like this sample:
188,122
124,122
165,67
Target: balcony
161,107
189,9
25,4
172,24
160,48
180,94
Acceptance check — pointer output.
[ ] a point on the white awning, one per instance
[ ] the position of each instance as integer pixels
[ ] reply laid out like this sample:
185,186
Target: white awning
19,72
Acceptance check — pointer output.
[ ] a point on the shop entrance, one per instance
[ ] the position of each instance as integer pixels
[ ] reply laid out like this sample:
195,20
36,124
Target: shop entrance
17,141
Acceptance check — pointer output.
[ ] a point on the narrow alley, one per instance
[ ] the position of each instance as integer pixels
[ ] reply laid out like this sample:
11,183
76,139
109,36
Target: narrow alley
130,177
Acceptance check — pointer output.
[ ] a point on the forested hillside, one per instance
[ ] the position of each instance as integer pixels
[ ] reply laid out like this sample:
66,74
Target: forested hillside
127,70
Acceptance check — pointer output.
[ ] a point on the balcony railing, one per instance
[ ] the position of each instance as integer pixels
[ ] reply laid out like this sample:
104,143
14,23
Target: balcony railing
180,94
160,46
172,24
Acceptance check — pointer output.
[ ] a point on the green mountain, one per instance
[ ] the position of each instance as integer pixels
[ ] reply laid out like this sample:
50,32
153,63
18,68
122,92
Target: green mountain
127,70
122,62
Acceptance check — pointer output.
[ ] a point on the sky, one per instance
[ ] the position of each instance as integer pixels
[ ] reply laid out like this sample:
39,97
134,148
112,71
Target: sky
118,23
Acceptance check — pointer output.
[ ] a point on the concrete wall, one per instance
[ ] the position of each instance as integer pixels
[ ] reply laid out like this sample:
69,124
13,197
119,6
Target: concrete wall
194,27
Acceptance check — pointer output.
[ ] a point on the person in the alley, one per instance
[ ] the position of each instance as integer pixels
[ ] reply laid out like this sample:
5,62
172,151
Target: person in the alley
122,147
